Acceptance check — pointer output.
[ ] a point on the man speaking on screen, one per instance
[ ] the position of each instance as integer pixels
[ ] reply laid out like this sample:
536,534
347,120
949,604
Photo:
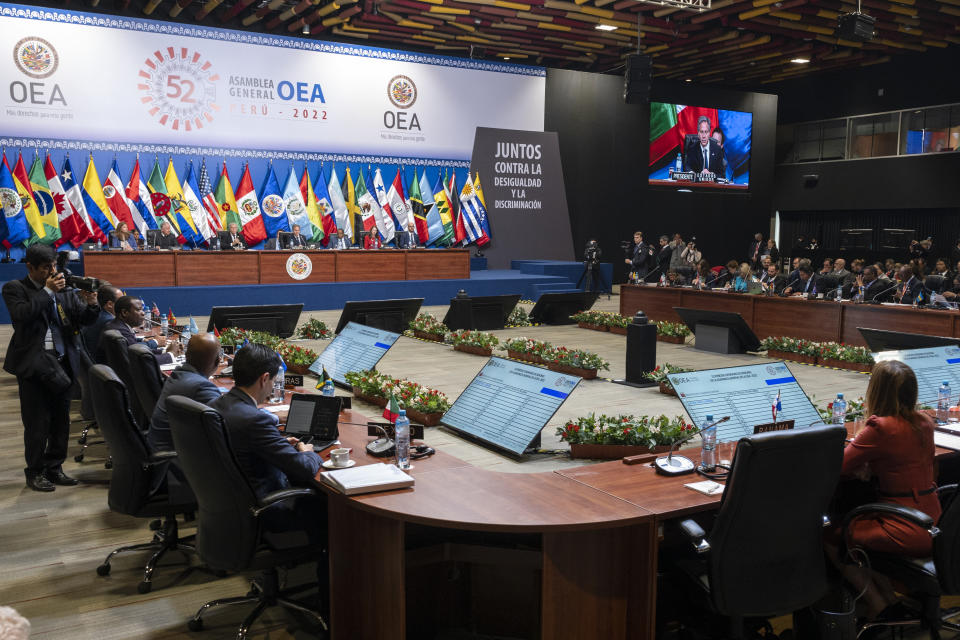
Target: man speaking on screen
707,156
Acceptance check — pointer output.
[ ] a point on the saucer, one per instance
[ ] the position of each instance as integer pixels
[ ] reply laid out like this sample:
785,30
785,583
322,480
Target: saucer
329,464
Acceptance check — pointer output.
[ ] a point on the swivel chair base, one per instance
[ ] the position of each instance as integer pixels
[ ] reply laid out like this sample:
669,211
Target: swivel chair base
264,592
165,539
84,441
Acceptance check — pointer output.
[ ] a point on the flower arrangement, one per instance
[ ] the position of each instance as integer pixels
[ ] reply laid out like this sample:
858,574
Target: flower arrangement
528,346
314,329
577,358
790,345
427,324
296,355
615,320
594,318
518,317
643,431
233,336
659,375
411,396
672,329
601,320
467,338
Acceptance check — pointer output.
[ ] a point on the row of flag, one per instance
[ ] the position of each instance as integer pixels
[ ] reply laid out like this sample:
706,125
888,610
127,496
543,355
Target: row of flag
43,205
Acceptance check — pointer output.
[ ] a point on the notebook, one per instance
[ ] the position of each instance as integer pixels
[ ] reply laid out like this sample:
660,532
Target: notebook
367,478
313,419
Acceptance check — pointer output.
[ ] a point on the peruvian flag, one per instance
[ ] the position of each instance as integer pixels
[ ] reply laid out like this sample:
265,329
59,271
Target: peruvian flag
72,227
139,197
116,196
671,123
248,207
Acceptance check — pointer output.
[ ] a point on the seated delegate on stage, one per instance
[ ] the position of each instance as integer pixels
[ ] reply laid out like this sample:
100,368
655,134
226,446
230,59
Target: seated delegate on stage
371,240
772,280
874,289
129,313
340,241
120,238
191,379
167,239
741,284
806,283
231,239
408,239
295,240
910,285
706,154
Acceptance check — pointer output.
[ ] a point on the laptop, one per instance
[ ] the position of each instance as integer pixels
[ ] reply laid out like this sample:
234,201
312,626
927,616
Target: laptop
313,419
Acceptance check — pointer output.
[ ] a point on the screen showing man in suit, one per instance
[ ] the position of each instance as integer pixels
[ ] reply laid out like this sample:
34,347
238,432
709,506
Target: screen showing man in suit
686,139
706,154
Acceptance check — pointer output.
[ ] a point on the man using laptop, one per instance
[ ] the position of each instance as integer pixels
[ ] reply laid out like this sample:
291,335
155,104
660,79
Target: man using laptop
269,460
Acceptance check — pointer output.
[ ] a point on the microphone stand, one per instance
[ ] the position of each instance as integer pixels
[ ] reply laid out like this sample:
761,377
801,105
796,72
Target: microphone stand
671,465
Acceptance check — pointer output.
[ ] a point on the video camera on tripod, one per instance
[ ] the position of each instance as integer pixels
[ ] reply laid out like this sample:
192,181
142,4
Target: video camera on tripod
592,253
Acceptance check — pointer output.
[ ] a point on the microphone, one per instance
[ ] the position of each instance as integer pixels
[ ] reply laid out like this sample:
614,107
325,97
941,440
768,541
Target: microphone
894,286
671,465
792,282
158,324
653,272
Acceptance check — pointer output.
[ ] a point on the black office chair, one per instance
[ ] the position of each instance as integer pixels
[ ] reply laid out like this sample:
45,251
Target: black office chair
133,474
229,533
827,284
118,357
924,579
764,553
935,284
146,375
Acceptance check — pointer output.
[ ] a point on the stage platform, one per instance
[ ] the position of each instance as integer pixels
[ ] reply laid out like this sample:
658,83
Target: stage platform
529,280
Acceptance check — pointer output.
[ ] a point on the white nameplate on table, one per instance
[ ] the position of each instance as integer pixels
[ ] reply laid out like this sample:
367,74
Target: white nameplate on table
356,348
706,487
508,403
932,366
367,478
746,394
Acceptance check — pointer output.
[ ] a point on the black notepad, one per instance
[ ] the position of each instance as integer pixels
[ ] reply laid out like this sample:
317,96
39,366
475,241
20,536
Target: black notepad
313,419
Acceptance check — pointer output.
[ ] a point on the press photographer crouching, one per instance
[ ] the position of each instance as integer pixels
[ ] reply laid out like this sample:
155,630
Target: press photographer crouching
46,357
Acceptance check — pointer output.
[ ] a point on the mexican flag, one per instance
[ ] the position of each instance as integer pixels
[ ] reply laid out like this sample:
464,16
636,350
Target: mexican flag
392,410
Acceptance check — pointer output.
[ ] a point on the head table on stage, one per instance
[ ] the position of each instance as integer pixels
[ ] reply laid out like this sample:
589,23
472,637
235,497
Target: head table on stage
215,268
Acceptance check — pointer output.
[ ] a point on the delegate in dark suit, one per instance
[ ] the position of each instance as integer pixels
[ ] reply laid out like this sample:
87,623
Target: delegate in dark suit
640,258
908,291
131,338
185,380
267,459
296,241
45,355
167,241
694,157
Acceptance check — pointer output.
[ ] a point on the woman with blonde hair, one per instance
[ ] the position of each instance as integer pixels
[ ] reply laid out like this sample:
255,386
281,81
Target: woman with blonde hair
744,277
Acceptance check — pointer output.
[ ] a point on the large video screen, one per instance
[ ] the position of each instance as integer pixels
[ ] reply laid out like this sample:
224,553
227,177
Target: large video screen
699,146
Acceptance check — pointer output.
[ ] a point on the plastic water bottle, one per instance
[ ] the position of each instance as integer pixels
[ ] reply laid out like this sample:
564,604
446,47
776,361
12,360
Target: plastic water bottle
328,389
839,294
99,245
185,335
663,280
164,326
278,384
839,410
860,295
401,431
708,448
943,402
678,167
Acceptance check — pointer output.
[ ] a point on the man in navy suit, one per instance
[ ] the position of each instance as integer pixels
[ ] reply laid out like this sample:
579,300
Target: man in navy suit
269,460
708,154
46,356
107,296
910,286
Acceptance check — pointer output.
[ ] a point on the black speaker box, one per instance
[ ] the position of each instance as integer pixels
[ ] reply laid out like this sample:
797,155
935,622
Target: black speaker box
637,78
856,26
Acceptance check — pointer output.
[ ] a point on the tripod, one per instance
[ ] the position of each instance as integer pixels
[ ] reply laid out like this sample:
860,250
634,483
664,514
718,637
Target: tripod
592,279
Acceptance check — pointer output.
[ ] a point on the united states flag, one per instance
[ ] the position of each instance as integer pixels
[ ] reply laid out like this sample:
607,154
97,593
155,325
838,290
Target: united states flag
206,195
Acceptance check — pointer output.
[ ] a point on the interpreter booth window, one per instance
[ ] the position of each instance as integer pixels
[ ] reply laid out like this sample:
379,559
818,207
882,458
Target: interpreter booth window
820,141
930,130
874,136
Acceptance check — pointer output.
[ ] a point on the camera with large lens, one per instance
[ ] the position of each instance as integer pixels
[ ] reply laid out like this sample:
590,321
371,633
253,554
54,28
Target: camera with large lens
83,283
591,253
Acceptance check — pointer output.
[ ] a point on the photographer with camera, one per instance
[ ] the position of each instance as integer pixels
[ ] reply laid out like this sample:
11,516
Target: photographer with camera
639,256
691,255
46,357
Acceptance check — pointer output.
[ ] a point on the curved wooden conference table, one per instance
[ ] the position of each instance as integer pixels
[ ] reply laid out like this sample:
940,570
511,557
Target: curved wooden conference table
818,320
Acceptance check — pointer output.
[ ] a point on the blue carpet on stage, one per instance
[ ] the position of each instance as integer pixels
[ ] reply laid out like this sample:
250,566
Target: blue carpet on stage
528,278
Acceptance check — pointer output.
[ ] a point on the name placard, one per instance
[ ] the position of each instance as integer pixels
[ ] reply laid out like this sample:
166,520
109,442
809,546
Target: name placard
782,425
685,176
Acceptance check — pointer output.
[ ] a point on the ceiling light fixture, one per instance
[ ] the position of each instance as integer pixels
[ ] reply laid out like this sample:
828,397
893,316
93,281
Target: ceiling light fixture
605,27
800,61
689,80
306,29
686,5
506,57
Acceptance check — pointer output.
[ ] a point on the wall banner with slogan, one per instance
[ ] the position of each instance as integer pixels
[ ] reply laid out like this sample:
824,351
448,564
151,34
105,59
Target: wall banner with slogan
76,76
522,181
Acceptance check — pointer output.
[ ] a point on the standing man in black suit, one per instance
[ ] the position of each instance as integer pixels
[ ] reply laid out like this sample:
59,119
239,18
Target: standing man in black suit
641,254
130,314
707,156
664,256
296,240
46,356
756,249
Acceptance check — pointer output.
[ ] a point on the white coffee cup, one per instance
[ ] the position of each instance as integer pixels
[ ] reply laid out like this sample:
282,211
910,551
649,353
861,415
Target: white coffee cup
340,457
